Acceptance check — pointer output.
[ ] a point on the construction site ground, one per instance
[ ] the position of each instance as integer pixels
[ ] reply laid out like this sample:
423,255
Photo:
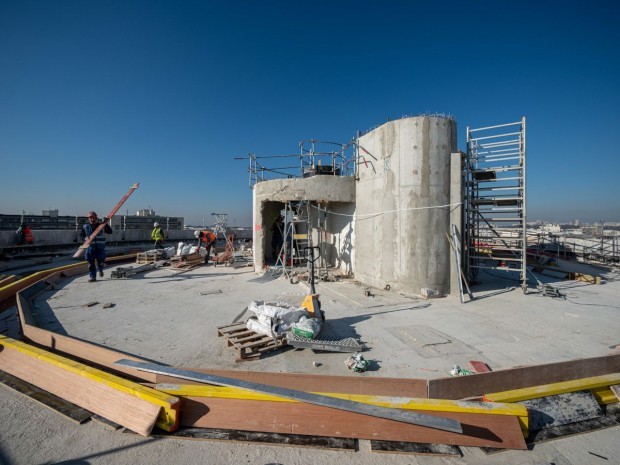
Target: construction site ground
171,317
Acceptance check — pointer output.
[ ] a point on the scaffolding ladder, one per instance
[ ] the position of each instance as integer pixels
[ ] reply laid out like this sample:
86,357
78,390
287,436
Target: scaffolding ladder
296,237
495,207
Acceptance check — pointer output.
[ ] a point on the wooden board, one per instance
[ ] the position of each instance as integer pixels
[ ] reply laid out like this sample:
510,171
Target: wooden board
65,408
133,413
298,418
479,367
404,387
552,389
100,228
13,288
516,378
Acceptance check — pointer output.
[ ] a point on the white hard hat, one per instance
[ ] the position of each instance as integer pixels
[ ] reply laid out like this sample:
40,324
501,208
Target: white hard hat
156,224
196,233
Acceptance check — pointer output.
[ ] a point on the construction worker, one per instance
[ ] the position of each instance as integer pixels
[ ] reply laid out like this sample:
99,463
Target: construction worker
24,234
277,238
96,249
206,238
158,236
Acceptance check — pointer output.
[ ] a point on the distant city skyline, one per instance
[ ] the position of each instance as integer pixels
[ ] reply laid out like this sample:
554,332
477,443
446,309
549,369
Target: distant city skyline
95,96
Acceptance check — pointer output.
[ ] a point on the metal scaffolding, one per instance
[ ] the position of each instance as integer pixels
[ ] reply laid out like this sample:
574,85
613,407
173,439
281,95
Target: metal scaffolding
495,207
315,157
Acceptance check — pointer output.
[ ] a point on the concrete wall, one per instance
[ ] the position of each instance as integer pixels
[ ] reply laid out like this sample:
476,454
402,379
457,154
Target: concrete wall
67,237
340,240
402,243
269,198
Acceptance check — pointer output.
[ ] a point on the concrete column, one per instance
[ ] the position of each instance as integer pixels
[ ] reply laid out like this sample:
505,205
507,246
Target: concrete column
456,214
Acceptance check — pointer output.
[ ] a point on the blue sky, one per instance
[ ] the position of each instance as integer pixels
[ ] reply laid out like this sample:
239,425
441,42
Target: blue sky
97,95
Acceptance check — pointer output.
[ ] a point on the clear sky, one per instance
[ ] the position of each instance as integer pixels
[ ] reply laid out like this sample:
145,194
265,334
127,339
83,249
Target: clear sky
97,95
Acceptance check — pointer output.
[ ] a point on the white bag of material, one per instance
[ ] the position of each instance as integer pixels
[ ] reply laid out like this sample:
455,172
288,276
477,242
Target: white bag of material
186,248
169,251
307,327
193,249
282,315
180,246
259,327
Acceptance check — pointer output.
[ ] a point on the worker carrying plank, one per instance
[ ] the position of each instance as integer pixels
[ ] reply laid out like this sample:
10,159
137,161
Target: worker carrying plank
96,248
207,239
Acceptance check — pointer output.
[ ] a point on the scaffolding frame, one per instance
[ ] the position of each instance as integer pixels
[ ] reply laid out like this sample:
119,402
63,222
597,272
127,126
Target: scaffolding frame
314,157
495,200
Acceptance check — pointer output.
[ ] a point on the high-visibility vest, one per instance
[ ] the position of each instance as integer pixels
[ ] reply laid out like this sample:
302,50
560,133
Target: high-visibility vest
157,234
207,237
28,236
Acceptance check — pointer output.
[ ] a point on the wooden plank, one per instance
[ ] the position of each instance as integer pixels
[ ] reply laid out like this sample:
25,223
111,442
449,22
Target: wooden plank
460,387
13,288
85,351
479,367
37,362
120,407
435,405
545,390
405,403
604,396
479,430
55,403
7,280
405,387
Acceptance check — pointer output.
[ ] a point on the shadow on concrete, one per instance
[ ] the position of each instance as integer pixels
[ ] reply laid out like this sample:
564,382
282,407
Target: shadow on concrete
341,328
83,460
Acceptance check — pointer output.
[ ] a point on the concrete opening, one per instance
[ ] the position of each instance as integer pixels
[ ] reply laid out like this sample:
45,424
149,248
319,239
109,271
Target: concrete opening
269,211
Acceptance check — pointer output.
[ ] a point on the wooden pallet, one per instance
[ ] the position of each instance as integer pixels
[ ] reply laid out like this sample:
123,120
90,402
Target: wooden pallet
249,345
187,261
146,258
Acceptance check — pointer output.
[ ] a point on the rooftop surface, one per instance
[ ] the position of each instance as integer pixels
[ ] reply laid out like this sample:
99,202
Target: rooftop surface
172,318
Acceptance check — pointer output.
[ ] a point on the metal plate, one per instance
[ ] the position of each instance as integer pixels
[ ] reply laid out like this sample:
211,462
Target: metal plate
430,421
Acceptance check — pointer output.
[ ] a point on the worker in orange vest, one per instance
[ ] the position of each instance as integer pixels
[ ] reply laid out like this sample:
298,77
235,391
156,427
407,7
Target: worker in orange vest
207,239
24,234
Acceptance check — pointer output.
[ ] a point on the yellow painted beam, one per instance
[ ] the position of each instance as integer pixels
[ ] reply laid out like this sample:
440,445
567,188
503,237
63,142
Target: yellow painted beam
406,403
9,290
604,396
8,280
545,390
169,414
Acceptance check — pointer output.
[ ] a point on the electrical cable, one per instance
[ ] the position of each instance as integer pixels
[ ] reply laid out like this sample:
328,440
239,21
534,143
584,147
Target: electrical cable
374,215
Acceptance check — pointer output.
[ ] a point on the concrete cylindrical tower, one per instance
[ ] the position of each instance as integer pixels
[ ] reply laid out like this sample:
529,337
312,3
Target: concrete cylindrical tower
401,226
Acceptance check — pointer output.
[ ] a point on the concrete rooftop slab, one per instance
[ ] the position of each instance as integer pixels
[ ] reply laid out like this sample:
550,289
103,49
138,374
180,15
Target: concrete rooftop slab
172,318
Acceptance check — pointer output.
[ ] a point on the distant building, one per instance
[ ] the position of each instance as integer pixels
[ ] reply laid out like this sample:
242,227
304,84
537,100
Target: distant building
53,221
146,212
40,222
123,222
